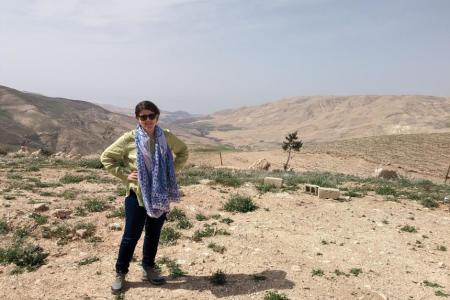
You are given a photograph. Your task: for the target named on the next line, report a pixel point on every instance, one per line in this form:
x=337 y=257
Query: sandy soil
x=285 y=239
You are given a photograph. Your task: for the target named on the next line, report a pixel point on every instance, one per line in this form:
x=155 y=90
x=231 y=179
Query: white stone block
x=329 y=193
x=277 y=182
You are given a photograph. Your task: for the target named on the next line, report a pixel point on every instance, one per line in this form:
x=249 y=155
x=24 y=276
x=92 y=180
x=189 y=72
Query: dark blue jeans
x=135 y=219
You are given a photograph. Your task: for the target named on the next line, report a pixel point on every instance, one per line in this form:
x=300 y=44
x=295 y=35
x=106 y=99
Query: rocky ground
x=294 y=243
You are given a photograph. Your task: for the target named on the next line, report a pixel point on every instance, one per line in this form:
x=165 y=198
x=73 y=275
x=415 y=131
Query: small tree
x=291 y=143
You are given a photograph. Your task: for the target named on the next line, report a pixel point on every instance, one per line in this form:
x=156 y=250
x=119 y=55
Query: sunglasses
x=151 y=116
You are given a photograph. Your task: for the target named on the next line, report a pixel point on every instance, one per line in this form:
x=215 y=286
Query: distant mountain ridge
x=57 y=124
x=328 y=118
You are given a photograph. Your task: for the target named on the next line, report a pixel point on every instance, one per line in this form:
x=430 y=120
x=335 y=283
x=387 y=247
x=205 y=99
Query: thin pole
x=446 y=176
x=221 y=163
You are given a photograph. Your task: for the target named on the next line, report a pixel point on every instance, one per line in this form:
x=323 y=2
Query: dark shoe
x=153 y=275
x=118 y=283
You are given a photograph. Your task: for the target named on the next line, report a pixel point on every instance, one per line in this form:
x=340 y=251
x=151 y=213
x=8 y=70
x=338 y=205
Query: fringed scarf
x=156 y=172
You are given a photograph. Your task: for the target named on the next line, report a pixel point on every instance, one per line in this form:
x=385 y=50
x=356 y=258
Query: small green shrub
x=174 y=268
x=201 y=217
x=274 y=295
x=385 y=190
x=29 y=257
x=169 y=236
x=227 y=221
x=121 y=190
x=355 y=271
x=265 y=188
x=68 y=194
x=240 y=203
x=218 y=278
x=95 y=205
x=430 y=203
x=317 y=272
x=432 y=284
x=21 y=233
x=89 y=227
x=4 y=228
x=178 y=215
x=441 y=248
x=70 y=178
x=408 y=228
x=90 y=163
x=208 y=231
x=440 y=293
x=39 y=219
x=117 y=213
x=88 y=260
x=217 y=248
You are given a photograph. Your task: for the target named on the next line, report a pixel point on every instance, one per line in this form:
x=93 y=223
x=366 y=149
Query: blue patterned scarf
x=156 y=172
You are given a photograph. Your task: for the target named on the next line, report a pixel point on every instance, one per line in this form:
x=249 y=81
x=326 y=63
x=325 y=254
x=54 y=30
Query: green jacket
x=119 y=159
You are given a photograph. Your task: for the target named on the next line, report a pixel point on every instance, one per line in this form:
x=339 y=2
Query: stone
x=385 y=173
x=329 y=193
x=115 y=226
x=261 y=164
x=277 y=182
x=40 y=207
x=81 y=233
x=312 y=189
x=62 y=213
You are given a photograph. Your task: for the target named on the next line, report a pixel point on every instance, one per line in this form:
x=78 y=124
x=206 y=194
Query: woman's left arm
x=179 y=148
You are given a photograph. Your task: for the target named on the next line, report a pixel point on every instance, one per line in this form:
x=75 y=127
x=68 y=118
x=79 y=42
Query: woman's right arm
x=113 y=158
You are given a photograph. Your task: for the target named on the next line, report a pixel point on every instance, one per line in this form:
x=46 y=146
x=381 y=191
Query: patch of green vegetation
x=265 y=188
x=80 y=211
x=227 y=221
x=61 y=231
x=208 y=231
x=218 y=278
x=4 y=227
x=217 y=248
x=14 y=176
x=95 y=205
x=23 y=256
x=385 y=190
x=88 y=260
x=240 y=203
x=274 y=295
x=228 y=178
x=216 y=216
x=429 y=202
x=117 y=213
x=121 y=190
x=441 y=248
x=71 y=178
x=22 y=233
x=340 y=273
x=201 y=217
x=317 y=272
x=90 y=163
x=32 y=168
x=355 y=271
x=174 y=268
x=39 y=219
x=47 y=194
x=409 y=228
x=440 y=293
x=89 y=227
x=431 y=284
x=169 y=236
x=179 y=216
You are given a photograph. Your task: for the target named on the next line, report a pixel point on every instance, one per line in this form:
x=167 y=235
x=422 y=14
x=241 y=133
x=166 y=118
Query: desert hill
x=327 y=118
x=57 y=124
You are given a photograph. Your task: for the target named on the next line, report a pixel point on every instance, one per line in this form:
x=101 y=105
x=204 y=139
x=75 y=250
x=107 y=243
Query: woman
x=142 y=159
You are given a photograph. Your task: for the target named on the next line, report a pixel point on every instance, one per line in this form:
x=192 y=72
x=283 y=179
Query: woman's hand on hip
x=133 y=176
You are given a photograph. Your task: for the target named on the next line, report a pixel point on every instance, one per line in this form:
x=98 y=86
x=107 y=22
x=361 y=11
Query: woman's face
x=148 y=120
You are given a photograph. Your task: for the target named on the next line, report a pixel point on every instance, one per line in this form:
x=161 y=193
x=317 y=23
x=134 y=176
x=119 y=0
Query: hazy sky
x=203 y=56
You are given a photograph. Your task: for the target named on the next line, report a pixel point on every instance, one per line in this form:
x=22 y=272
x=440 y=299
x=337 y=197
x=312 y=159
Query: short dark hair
x=146 y=105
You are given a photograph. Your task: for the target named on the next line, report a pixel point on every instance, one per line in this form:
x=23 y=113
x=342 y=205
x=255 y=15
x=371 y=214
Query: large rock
x=40 y=207
x=385 y=173
x=261 y=164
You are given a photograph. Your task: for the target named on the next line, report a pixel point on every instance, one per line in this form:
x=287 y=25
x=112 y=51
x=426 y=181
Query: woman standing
x=143 y=160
